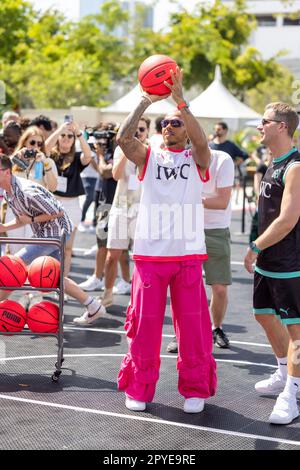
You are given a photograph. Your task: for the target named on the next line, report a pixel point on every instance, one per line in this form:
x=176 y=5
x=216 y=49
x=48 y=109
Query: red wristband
x=182 y=104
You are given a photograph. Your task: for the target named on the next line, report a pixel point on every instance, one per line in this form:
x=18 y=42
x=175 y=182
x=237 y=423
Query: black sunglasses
x=36 y=142
x=70 y=136
x=141 y=129
x=267 y=121
x=173 y=122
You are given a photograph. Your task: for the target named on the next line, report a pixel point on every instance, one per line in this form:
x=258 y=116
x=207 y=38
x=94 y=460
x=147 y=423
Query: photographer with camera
x=60 y=146
x=30 y=160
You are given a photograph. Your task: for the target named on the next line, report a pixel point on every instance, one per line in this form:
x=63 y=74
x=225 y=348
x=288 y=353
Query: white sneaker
x=122 y=287
x=82 y=227
x=193 y=405
x=285 y=410
x=135 y=405
x=271 y=386
x=92 y=283
x=87 y=318
x=91 y=251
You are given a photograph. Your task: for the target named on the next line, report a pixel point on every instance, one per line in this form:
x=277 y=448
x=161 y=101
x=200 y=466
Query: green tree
x=218 y=34
x=271 y=90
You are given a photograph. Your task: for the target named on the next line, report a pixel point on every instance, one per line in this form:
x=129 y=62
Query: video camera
x=104 y=137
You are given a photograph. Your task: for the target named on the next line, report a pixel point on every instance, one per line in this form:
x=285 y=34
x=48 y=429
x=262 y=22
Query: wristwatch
x=79 y=135
x=254 y=248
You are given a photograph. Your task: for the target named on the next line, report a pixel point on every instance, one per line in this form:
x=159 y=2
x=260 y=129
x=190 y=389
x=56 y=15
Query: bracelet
x=182 y=104
x=49 y=169
x=79 y=135
x=32 y=219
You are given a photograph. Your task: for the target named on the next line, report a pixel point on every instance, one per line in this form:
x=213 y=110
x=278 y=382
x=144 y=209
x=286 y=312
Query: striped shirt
x=32 y=199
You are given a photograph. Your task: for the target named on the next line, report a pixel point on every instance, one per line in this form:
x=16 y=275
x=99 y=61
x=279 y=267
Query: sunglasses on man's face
x=173 y=122
x=70 y=136
x=141 y=129
x=267 y=121
x=36 y=142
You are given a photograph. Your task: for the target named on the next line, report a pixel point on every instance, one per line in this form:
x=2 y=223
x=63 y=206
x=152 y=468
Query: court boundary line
x=164 y=356
x=152 y=420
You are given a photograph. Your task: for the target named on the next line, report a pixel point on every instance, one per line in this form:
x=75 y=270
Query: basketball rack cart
x=60 y=244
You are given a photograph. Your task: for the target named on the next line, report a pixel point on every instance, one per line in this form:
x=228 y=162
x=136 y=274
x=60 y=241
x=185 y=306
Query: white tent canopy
x=127 y=103
x=217 y=102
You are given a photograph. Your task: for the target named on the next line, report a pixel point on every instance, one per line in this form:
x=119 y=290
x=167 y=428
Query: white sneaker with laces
x=271 y=386
x=193 y=405
x=122 y=288
x=92 y=283
x=135 y=405
x=285 y=410
x=87 y=318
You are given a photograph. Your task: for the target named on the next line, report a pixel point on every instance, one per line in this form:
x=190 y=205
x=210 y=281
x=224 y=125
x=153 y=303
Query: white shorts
x=121 y=229
x=72 y=208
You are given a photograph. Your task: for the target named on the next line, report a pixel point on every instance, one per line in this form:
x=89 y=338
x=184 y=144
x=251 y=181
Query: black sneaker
x=220 y=338
x=173 y=346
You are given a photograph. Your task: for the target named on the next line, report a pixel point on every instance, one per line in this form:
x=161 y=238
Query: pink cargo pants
x=144 y=321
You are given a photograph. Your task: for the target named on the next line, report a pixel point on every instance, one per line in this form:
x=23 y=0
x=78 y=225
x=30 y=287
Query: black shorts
x=279 y=297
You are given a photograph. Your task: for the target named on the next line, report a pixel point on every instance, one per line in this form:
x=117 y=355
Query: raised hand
x=176 y=86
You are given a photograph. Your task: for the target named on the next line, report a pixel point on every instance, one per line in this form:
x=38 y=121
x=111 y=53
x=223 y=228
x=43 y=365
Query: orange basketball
x=13 y=271
x=44 y=271
x=43 y=317
x=154 y=71
x=12 y=316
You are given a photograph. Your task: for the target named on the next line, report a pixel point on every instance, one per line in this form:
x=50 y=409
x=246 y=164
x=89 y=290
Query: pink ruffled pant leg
x=144 y=320
x=196 y=365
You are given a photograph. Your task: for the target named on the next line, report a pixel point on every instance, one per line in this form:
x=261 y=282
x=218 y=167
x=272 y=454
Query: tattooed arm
x=200 y=149
x=133 y=149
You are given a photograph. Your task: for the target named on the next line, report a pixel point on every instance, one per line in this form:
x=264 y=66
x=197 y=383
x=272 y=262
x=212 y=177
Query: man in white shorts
x=122 y=216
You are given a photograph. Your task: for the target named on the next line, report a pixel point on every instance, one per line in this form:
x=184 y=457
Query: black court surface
x=85 y=411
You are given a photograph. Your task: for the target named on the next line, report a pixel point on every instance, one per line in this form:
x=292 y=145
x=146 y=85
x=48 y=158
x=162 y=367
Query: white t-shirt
x=170 y=219
x=221 y=172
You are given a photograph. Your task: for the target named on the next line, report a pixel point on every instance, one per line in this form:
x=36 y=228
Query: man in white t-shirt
x=169 y=249
x=217 y=218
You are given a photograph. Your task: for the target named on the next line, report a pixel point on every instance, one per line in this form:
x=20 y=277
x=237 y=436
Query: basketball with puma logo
x=13 y=271
x=43 y=317
x=12 y=316
x=44 y=271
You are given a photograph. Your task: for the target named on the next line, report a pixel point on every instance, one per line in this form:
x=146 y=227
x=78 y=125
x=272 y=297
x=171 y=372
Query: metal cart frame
x=60 y=244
